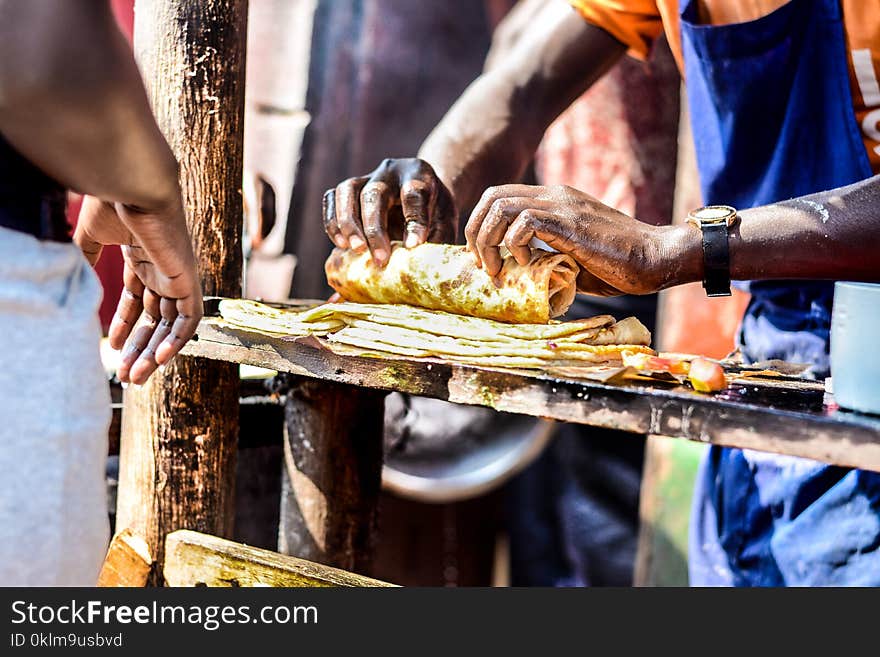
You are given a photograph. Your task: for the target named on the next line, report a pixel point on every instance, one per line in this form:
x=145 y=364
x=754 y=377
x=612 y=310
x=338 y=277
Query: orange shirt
x=637 y=23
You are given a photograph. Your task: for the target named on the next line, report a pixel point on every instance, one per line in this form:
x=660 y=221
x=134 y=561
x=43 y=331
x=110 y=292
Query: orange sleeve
x=635 y=23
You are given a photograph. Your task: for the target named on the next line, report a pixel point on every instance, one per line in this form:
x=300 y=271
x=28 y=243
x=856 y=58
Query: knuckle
x=373 y=192
x=373 y=231
x=500 y=207
x=491 y=193
x=414 y=188
x=562 y=191
x=424 y=168
x=347 y=225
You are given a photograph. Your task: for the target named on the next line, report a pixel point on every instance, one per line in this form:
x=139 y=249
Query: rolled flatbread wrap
x=445 y=277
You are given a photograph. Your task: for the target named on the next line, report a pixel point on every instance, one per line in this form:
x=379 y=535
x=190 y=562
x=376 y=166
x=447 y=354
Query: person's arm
x=832 y=235
x=492 y=132
x=489 y=136
x=72 y=102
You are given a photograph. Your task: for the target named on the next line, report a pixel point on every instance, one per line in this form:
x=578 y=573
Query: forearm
x=72 y=101
x=491 y=134
x=832 y=235
x=480 y=142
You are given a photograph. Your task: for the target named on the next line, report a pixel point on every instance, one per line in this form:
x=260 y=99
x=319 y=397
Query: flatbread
x=407 y=342
x=443 y=323
x=258 y=316
x=415 y=332
x=446 y=277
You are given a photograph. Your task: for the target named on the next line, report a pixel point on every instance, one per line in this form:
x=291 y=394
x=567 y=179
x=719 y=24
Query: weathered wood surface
x=332 y=473
x=180 y=431
x=193 y=559
x=792 y=420
x=128 y=562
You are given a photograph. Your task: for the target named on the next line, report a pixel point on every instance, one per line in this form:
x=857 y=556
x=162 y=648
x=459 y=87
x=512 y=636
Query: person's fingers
x=416 y=201
x=484 y=205
x=348 y=213
x=377 y=197
x=492 y=230
x=501 y=215
x=168 y=309
x=146 y=362
x=127 y=310
x=189 y=313
x=91 y=248
x=475 y=222
x=545 y=226
x=140 y=338
x=331 y=227
x=135 y=346
x=520 y=233
x=169 y=336
x=152 y=305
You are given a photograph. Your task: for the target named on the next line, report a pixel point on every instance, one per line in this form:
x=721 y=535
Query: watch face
x=714 y=214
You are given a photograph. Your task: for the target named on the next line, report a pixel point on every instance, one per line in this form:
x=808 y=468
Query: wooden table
x=334 y=410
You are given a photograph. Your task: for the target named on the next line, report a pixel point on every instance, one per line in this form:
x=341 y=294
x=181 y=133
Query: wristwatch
x=715 y=222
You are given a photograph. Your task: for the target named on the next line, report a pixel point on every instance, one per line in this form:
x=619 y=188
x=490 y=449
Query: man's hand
x=616 y=253
x=401 y=199
x=160 y=280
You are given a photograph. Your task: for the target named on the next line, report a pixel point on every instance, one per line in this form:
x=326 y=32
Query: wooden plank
x=128 y=562
x=793 y=422
x=180 y=431
x=332 y=473
x=193 y=559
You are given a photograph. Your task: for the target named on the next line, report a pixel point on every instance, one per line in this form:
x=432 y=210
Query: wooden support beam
x=179 y=432
x=332 y=473
x=193 y=559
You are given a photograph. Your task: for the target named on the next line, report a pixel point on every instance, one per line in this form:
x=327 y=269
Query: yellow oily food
x=446 y=277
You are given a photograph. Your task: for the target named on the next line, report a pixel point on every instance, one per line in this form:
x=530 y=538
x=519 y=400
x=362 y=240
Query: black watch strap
x=716 y=259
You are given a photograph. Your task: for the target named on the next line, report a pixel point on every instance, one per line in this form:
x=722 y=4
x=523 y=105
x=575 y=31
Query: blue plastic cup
x=855 y=349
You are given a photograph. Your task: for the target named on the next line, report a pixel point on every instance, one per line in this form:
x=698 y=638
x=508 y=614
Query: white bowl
x=855 y=351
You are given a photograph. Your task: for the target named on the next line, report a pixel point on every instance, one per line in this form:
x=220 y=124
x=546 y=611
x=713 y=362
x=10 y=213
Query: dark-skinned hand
x=403 y=199
x=616 y=253
x=161 y=282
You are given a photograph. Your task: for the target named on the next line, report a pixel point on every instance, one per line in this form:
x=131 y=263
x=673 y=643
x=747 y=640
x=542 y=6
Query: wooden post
x=180 y=431
x=332 y=473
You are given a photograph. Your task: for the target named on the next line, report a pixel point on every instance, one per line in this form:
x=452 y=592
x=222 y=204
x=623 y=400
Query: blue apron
x=772 y=116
